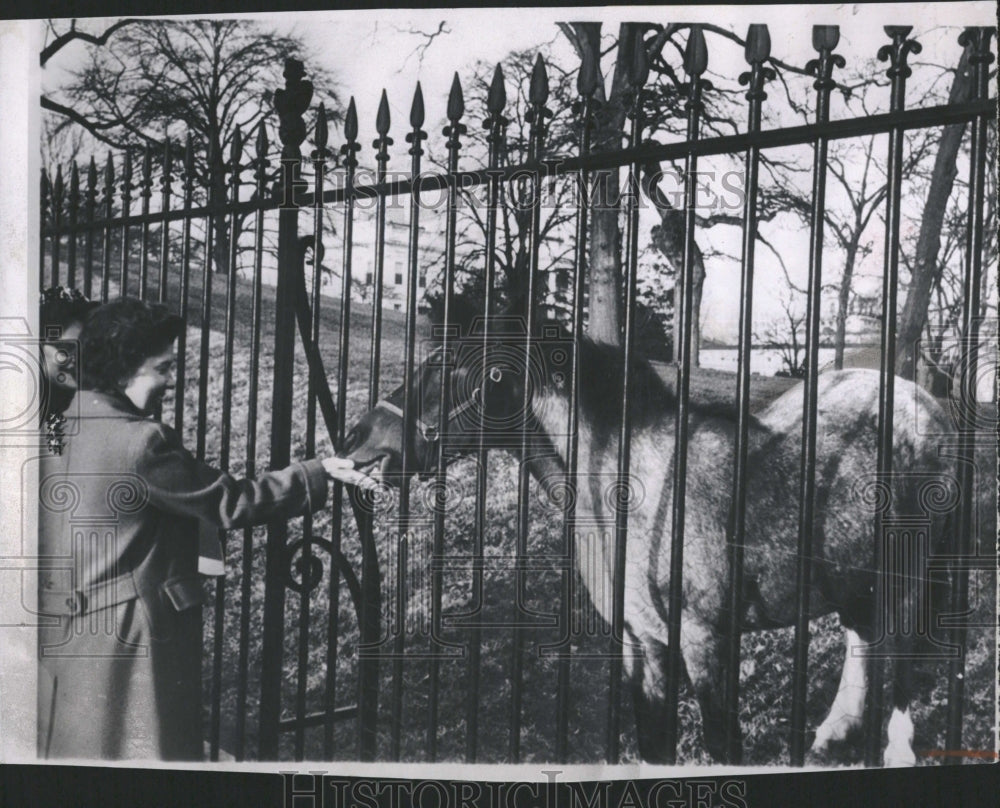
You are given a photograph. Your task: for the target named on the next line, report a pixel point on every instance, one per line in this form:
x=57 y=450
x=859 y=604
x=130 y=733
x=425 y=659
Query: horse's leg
x=899 y=750
x=704 y=652
x=847 y=710
x=648 y=696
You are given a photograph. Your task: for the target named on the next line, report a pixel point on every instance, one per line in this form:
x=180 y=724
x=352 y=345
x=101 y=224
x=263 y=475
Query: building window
x=422 y=280
x=399 y=279
x=368 y=278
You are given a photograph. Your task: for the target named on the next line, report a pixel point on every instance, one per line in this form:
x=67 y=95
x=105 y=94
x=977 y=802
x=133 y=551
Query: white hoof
x=899 y=751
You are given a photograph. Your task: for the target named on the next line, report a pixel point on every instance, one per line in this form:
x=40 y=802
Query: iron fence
x=86 y=226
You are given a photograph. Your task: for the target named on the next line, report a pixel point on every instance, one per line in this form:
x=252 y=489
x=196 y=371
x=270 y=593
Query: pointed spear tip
x=696 y=52
x=261 y=140
x=640 y=64
x=538 y=92
x=456 y=102
x=496 y=99
x=350 y=121
x=758 y=47
x=382 y=118
x=417 y=108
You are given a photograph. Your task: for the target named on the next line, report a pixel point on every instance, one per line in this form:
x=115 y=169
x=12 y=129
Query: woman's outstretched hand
x=342 y=469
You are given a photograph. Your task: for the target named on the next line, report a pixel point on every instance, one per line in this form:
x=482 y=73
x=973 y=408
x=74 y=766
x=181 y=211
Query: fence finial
x=291 y=102
x=146 y=183
x=695 y=52
x=456 y=103
x=897 y=52
x=92 y=177
x=350 y=121
x=236 y=149
x=262 y=142
x=758 y=47
x=189 y=163
x=57 y=188
x=586 y=80
x=639 y=69
x=417 y=108
x=74 y=186
x=322 y=134
x=538 y=91
x=757 y=51
x=496 y=99
x=168 y=163
x=382 y=118
x=109 y=175
x=825 y=39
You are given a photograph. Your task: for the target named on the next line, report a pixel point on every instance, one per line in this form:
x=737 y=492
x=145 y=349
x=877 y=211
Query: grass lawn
x=766 y=667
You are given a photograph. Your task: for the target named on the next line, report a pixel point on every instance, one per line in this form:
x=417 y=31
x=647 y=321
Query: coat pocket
x=184 y=591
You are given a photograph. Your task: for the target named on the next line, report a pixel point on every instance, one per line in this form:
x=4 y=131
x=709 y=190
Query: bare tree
x=156 y=79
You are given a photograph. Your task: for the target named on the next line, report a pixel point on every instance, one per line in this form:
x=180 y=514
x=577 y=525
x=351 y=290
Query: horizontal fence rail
x=335 y=671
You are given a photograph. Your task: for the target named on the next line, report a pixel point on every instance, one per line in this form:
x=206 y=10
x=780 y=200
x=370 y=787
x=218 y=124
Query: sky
x=371 y=50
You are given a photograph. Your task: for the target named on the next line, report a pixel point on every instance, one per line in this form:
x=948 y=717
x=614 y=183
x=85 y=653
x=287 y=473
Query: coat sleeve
x=178 y=483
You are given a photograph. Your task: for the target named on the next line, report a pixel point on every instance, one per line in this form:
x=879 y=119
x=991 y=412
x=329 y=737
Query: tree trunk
x=668 y=238
x=843 y=299
x=926 y=271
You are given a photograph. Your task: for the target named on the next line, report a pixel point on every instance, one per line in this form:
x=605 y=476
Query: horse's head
x=486 y=397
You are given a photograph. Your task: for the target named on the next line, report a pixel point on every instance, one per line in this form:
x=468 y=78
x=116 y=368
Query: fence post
x=290 y=103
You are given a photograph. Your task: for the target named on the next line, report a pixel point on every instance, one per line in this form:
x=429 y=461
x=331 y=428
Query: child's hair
x=120 y=336
x=60 y=306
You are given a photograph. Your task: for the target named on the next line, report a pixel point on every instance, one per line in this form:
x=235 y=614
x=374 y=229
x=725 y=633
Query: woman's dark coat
x=120 y=654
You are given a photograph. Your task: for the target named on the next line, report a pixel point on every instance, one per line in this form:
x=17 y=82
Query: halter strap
x=429 y=432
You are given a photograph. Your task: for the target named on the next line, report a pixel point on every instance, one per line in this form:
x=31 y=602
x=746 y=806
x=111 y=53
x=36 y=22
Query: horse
x=849 y=493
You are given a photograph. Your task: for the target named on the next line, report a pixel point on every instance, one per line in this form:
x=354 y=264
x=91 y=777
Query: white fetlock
x=899 y=751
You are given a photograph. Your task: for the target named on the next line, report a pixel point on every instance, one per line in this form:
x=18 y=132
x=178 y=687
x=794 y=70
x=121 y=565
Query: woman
x=119 y=523
x=62 y=313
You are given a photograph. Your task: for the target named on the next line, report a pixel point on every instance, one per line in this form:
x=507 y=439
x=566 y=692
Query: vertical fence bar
x=291 y=102
x=44 y=210
x=896 y=54
x=145 y=192
x=368 y=654
x=260 y=176
x=825 y=39
x=57 y=217
x=349 y=149
x=109 y=212
x=90 y=207
x=538 y=94
x=638 y=73
x=74 y=210
x=756 y=52
x=695 y=62
x=126 y=192
x=978 y=39
x=185 y=281
x=225 y=438
x=206 y=310
x=496 y=124
x=586 y=87
x=454 y=131
x=414 y=138
x=165 y=181
x=318 y=157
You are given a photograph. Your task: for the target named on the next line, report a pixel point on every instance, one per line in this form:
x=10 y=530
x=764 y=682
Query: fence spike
x=825 y=37
x=262 y=142
x=456 y=102
x=109 y=173
x=538 y=92
x=350 y=122
x=496 y=99
x=236 y=149
x=57 y=186
x=45 y=185
x=696 y=52
x=382 y=119
x=189 y=162
x=897 y=52
x=639 y=69
x=92 y=177
x=127 y=173
x=417 y=108
x=147 y=171
x=758 y=47
x=586 y=80
x=168 y=162
x=74 y=185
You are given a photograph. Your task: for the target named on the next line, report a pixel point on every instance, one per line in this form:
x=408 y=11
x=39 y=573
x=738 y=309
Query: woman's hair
x=59 y=307
x=120 y=336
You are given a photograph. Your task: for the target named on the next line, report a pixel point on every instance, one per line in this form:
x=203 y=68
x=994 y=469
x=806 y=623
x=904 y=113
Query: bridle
x=428 y=431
